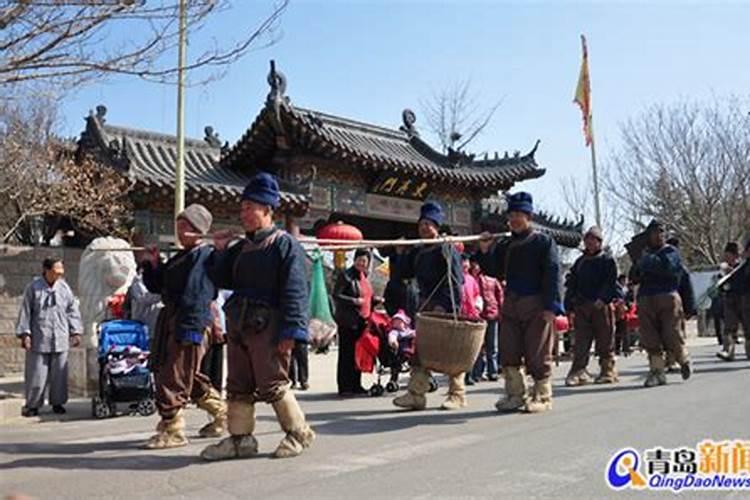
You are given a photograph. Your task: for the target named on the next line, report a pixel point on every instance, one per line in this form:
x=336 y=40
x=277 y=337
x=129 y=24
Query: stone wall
x=18 y=265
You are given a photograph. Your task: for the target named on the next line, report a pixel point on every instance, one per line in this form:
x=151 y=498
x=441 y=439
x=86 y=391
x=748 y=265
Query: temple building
x=330 y=168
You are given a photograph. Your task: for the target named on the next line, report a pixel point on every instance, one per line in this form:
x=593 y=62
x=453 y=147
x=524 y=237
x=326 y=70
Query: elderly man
x=658 y=272
x=530 y=266
x=266 y=314
x=438 y=291
x=48 y=323
x=590 y=289
x=184 y=324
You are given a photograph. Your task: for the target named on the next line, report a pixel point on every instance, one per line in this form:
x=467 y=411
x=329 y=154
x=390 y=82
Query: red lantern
x=339 y=231
x=342 y=232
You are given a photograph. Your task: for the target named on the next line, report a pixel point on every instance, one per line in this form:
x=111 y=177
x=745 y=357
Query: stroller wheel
x=100 y=409
x=146 y=407
x=391 y=387
x=376 y=390
x=433 y=384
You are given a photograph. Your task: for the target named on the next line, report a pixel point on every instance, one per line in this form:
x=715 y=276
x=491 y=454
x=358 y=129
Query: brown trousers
x=178 y=377
x=525 y=337
x=257 y=371
x=592 y=324
x=661 y=325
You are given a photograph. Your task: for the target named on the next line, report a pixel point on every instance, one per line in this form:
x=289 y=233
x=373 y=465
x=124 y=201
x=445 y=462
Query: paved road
x=367 y=449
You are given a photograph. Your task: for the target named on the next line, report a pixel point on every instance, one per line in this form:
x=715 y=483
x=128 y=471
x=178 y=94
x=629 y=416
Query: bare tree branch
x=456 y=115
x=67 y=42
x=687 y=164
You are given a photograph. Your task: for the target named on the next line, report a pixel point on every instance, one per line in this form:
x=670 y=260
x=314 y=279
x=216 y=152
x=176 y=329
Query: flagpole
x=597 y=207
x=179 y=181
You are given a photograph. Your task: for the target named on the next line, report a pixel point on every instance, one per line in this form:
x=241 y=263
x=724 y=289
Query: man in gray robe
x=48 y=324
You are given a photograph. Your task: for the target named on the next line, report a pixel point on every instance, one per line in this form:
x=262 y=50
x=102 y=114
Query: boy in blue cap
x=529 y=264
x=427 y=263
x=265 y=315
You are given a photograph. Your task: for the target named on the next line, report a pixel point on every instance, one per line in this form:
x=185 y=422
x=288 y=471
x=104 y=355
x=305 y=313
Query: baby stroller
x=388 y=361
x=123 y=373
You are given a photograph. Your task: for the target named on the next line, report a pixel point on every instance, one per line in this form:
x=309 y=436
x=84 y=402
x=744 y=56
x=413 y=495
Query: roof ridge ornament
x=409 y=118
x=275 y=100
x=211 y=137
x=101 y=112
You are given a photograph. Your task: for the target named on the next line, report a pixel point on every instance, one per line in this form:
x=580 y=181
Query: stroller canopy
x=122 y=333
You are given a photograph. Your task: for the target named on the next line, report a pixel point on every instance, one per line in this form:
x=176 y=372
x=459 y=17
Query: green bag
x=320 y=307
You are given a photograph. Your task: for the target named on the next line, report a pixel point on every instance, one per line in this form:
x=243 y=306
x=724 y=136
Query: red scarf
x=365 y=293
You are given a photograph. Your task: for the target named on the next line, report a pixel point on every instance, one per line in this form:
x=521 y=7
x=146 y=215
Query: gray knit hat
x=199 y=216
x=596 y=232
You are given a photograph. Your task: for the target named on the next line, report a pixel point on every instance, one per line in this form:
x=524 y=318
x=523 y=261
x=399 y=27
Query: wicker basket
x=446 y=345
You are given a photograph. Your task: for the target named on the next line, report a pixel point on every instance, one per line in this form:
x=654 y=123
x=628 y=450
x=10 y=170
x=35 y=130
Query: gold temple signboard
x=388 y=207
x=402 y=186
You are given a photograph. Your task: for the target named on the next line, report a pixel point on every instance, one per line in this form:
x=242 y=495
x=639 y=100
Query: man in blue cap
x=438 y=291
x=658 y=273
x=591 y=287
x=265 y=315
x=529 y=264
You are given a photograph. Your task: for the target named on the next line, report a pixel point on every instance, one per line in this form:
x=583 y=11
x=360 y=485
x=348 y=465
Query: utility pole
x=179 y=181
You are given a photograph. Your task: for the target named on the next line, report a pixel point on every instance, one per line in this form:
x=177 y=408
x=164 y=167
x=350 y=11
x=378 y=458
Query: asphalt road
x=368 y=449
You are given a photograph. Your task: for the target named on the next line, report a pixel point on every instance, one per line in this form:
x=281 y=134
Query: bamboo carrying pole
x=342 y=245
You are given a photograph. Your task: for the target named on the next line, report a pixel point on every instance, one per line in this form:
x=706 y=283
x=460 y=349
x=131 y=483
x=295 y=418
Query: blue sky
x=369 y=60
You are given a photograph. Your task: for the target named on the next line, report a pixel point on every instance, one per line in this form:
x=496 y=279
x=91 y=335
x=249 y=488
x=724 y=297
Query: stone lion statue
x=101 y=275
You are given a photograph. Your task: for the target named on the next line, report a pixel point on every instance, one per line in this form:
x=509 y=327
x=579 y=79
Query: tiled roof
x=566 y=233
x=149 y=158
x=372 y=147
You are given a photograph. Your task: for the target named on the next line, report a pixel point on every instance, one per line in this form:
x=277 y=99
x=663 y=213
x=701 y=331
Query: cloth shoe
x=608 y=372
x=541 y=397
x=243 y=446
x=456 y=393
x=170 y=434
x=299 y=435
x=580 y=377
x=419 y=384
x=214 y=405
x=515 y=390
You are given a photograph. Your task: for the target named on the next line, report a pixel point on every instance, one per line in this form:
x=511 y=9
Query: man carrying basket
x=438 y=292
x=529 y=264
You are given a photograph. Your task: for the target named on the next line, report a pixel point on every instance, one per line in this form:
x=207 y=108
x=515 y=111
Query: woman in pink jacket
x=491 y=294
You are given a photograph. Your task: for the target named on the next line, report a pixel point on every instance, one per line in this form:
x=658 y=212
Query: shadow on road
x=132 y=462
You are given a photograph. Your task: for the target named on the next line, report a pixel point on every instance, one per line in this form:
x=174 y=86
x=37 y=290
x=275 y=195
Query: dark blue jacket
x=194 y=303
x=658 y=271
x=592 y=278
x=273 y=275
x=428 y=265
x=687 y=293
x=530 y=265
x=738 y=283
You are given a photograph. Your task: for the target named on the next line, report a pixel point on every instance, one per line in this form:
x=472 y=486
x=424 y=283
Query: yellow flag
x=583 y=94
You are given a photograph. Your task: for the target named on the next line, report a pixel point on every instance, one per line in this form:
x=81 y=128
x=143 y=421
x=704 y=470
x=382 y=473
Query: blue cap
x=433 y=212
x=263 y=189
x=521 y=202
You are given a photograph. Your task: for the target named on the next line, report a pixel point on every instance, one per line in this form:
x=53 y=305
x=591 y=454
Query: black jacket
x=345 y=292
